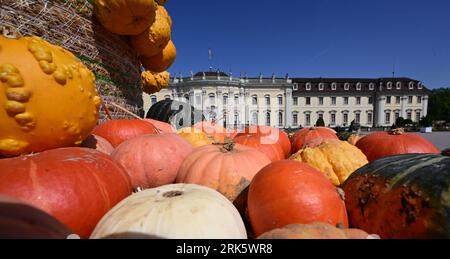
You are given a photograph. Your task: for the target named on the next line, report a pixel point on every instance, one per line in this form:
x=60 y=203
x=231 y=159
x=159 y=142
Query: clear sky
x=315 y=38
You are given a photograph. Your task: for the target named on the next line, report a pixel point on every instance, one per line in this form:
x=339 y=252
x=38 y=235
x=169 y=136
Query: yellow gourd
x=196 y=137
x=161 y=61
x=337 y=160
x=154 y=82
x=48 y=97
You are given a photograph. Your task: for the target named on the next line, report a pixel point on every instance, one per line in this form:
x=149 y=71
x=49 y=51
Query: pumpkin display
x=396 y=142
x=311 y=137
x=119 y=131
x=228 y=168
x=353 y=139
x=273 y=151
x=161 y=61
x=154 y=82
x=22 y=221
x=178 y=114
x=270 y=135
x=337 y=160
x=404 y=196
x=214 y=130
x=163 y=127
x=48 y=99
x=315 y=231
x=155 y=38
x=125 y=17
x=180 y=211
x=152 y=160
x=290 y=192
x=98 y=143
x=196 y=137
x=77 y=186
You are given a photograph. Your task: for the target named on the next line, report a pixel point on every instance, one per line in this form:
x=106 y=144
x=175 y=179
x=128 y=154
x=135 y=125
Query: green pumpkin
x=175 y=113
x=405 y=196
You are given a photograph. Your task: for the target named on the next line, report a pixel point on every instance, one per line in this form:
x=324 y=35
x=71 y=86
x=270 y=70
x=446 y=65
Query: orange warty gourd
x=161 y=61
x=163 y=127
x=152 y=160
x=337 y=160
x=77 y=186
x=49 y=98
x=156 y=37
x=315 y=231
x=396 y=142
x=273 y=151
x=119 y=131
x=270 y=135
x=227 y=168
x=291 y=192
x=125 y=17
x=98 y=143
x=311 y=137
x=154 y=82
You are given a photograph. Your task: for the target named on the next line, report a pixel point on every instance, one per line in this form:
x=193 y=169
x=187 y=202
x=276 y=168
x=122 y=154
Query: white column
x=288 y=110
x=381 y=104
x=404 y=105
x=425 y=106
x=219 y=108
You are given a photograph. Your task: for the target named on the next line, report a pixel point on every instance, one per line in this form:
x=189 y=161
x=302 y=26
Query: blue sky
x=315 y=38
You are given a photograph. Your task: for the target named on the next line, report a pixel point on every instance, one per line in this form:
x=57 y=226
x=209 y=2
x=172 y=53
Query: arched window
x=411 y=85
x=255 y=100
x=358 y=87
x=371 y=86
x=389 y=85
x=399 y=85
x=419 y=86
x=308 y=86
x=347 y=86
x=267 y=97
x=268 y=121
x=321 y=86
x=333 y=86
x=212 y=99
x=280 y=99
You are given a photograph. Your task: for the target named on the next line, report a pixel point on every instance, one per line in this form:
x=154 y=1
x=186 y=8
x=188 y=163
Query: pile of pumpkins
x=149 y=28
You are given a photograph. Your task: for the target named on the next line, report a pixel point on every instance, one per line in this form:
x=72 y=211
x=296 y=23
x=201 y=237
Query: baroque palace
x=298 y=102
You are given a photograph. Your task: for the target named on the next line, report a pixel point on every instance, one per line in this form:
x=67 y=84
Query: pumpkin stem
x=399 y=131
x=227 y=146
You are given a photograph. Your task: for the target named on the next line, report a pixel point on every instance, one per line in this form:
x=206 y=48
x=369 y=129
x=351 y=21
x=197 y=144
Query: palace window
x=280 y=119
x=389 y=85
x=410 y=99
x=358 y=117
x=399 y=85
x=398 y=99
x=308 y=120
x=347 y=86
x=396 y=115
x=371 y=86
x=333 y=86
x=418 y=116
x=295 y=87
x=267 y=97
x=255 y=100
x=280 y=100
x=388 y=118
x=212 y=99
x=388 y=99
x=308 y=86
x=154 y=100
x=345 y=118
x=295 y=119
x=236 y=118
x=225 y=119
x=346 y=100
x=321 y=86
x=411 y=85
x=409 y=115
x=225 y=100
x=333 y=100
x=320 y=100
x=296 y=101
x=370 y=100
x=369 y=118
x=308 y=100
x=358 y=100
x=268 y=123
x=333 y=119
x=236 y=99
x=419 y=86
x=419 y=99
x=358 y=87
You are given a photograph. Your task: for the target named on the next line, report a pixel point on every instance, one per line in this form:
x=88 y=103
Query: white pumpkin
x=179 y=211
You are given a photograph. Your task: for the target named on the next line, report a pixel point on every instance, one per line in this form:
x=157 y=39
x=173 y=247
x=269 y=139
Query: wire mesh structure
x=71 y=24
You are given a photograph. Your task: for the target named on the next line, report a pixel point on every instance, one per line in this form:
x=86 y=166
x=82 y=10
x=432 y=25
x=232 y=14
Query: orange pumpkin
x=228 y=168
x=119 y=131
x=353 y=139
x=162 y=60
x=156 y=37
x=214 y=130
x=315 y=231
x=273 y=151
x=48 y=97
x=152 y=160
x=163 y=127
x=270 y=135
x=311 y=137
x=290 y=192
x=98 y=143
x=125 y=17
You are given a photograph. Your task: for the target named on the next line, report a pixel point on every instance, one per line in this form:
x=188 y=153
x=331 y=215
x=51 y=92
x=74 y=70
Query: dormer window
x=333 y=86
x=389 y=85
x=358 y=86
x=295 y=87
x=411 y=85
x=371 y=86
x=347 y=86
x=399 y=85
x=321 y=86
x=308 y=86
x=419 y=86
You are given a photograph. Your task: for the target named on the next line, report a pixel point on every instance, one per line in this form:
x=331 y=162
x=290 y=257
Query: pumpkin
x=125 y=17
x=196 y=137
x=311 y=137
x=162 y=60
x=315 y=231
x=77 y=186
x=154 y=82
x=396 y=142
x=48 y=99
x=403 y=196
x=290 y=192
x=163 y=127
x=337 y=160
x=178 y=114
x=270 y=135
x=353 y=139
x=21 y=221
x=214 y=130
x=228 y=168
x=154 y=38
x=98 y=143
x=152 y=160
x=273 y=151
x=119 y=131
x=181 y=211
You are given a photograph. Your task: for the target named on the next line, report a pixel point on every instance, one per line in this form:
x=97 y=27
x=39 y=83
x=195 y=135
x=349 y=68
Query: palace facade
x=298 y=102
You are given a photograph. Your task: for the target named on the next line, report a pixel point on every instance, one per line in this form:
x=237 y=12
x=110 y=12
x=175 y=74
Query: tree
x=320 y=123
x=408 y=122
x=439 y=105
x=426 y=122
x=400 y=122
